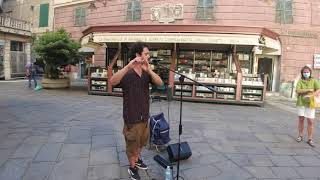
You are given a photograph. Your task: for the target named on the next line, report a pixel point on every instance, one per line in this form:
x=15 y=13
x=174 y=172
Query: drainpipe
x=292 y=89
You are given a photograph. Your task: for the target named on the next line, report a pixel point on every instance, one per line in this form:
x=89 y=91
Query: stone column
x=28 y=51
x=7 y=65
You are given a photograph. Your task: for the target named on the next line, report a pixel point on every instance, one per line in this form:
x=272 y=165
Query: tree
x=57 y=50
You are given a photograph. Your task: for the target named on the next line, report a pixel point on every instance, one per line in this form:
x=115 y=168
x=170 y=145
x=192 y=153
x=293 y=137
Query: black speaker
x=185 y=151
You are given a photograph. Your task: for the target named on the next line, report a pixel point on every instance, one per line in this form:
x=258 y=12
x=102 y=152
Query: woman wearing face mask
x=306 y=87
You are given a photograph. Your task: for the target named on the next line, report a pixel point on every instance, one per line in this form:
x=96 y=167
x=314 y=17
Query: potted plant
x=57 y=50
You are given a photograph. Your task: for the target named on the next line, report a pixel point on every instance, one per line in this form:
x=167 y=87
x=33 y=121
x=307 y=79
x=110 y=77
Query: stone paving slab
x=308 y=160
x=285 y=161
x=36 y=140
x=103 y=156
x=104 y=172
x=38 y=171
x=74 y=151
x=69 y=135
x=261 y=172
x=79 y=136
x=14 y=169
x=27 y=151
x=285 y=172
x=5 y=155
x=10 y=143
x=70 y=169
x=230 y=170
x=49 y=152
x=308 y=172
x=202 y=172
x=57 y=137
x=101 y=141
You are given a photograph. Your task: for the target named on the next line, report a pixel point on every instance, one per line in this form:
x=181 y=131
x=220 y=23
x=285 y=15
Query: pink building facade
x=291 y=29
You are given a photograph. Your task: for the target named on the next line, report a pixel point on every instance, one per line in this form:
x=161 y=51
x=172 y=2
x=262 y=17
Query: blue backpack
x=159 y=130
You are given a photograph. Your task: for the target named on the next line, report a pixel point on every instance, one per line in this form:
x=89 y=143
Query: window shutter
x=205 y=9
x=200 y=9
x=201 y=3
x=44 y=15
x=284 y=12
x=209 y=12
x=80 y=16
x=137 y=11
x=288 y=5
x=278 y=11
x=129 y=11
x=288 y=12
x=134 y=10
x=209 y=3
x=83 y=17
x=77 y=14
x=200 y=13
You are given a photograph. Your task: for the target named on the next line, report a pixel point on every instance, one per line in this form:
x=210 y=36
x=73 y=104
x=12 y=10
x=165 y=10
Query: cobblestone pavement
x=69 y=135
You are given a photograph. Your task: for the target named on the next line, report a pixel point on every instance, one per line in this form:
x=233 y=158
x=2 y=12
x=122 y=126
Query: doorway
x=265 y=66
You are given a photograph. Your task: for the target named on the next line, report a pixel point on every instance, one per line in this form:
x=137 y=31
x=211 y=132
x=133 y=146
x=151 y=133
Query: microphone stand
x=181 y=80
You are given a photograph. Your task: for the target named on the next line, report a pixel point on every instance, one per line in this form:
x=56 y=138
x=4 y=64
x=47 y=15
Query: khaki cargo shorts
x=136 y=136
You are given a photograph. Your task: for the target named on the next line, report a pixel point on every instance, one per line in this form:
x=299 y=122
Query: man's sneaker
x=141 y=165
x=133 y=172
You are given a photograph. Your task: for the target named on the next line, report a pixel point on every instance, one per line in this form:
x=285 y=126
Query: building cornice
x=71 y=3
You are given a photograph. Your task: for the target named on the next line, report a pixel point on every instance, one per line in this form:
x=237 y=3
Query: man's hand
x=154 y=77
x=134 y=62
x=146 y=66
x=116 y=78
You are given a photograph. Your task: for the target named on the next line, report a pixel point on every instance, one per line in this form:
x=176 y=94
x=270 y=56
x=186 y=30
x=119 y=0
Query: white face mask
x=306 y=74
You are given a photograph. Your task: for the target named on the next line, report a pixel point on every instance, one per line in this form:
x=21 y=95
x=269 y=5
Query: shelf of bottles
x=165 y=56
x=98 y=81
x=117 y=67
x=209 y=68
x=252 y=87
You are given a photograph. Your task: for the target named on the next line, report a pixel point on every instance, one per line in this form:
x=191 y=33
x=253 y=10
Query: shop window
x=16 y=46
x=205 y=9
x=80 y=16
x=134 y=10
x=245 y=60
x=284 y=12
x=44 y=15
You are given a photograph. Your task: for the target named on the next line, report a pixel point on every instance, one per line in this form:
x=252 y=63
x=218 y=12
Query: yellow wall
x=22 y=9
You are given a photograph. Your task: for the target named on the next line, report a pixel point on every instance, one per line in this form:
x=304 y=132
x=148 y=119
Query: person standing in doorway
x=306 y=88
x=31 y=73
x=135 y=79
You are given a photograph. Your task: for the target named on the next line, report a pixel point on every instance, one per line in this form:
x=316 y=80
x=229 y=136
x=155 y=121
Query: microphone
x=155 y=60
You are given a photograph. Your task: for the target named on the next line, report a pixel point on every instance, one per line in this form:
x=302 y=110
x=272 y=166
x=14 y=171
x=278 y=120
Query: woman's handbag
x=315 y=102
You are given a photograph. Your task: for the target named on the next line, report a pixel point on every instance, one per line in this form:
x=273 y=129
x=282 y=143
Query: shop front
x=235 y=64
